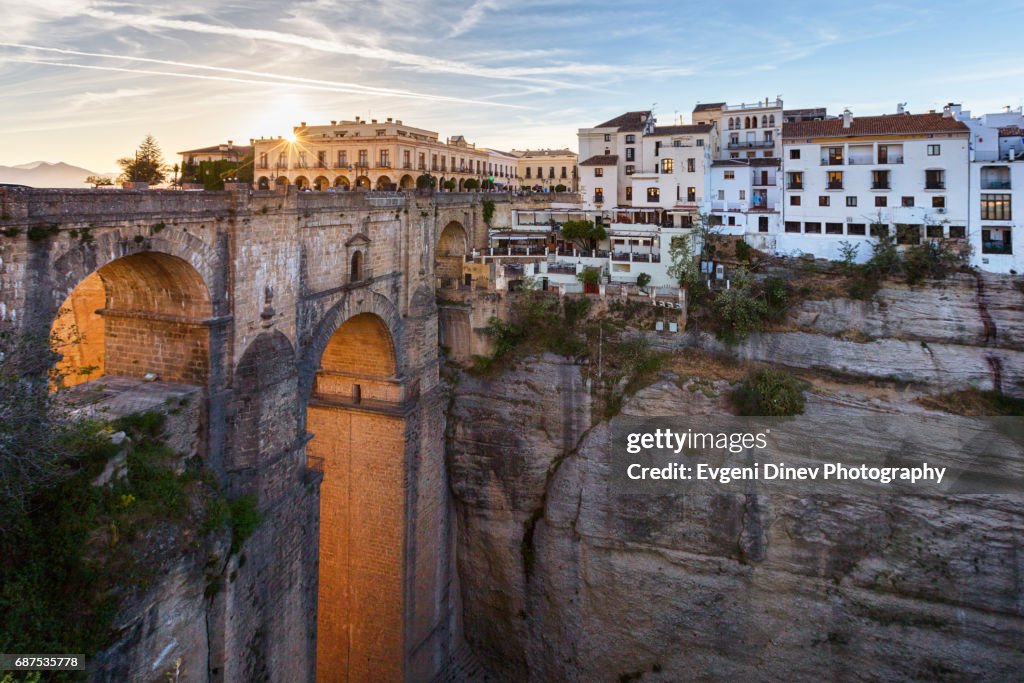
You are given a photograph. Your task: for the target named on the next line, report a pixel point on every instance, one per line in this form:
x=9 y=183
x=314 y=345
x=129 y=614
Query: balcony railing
x=795 y=186
x=384 y=164
x=935 y=185
x=995 y=184
x=835 y=186
x=755 y=144
x=996 y=248
x=362 y=164
x=880 y=186
x=831 y=162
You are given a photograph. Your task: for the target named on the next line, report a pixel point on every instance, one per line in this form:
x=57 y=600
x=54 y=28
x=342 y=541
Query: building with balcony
x=546 y=169
x=849 y=178
x=996 y=189
x=745 y=194
x=361 y=154
x=631 y=162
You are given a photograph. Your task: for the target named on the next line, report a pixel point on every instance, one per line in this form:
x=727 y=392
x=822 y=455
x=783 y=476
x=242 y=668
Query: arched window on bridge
x=356 y=271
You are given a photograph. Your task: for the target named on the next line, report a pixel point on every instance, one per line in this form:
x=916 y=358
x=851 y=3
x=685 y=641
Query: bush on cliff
x=769 y=392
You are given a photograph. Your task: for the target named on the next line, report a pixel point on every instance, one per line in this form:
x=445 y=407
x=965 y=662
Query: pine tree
x=146 y=166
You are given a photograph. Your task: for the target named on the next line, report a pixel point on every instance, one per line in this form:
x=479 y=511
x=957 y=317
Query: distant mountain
x=45 y=174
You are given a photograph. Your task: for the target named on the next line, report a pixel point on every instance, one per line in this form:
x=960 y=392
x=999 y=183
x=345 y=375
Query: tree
x=684 y=268
x=146 y=165
x=471 y=184
x=586 y=234
x=739 y=309
x=560 y=188
x=642 y=280
x=450 y=184
x=99 y=181
x=426 y=182
x=589 y=275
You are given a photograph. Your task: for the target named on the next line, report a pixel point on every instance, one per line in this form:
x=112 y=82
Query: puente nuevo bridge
x=308 y=325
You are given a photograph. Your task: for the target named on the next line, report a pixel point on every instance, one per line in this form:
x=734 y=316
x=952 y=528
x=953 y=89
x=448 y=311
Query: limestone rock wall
x=563 y=579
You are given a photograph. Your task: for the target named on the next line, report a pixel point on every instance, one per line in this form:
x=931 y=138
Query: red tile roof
x=888 y=124
x=1011 y=132
x=683 y=130
x=601 y=160
x=630 y=121
x=709 y=106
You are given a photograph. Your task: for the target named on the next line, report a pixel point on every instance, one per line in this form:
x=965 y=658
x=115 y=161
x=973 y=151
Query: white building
x=850 y=177
x=996 y=180
x=630 y=162
x=746 y=196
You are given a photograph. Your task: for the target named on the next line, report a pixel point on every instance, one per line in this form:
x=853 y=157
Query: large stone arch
x=451 y=250
x=263 y=416
x=142 y=315
x=356 y=418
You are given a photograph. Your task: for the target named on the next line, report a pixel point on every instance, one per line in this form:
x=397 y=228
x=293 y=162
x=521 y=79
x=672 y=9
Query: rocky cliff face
x=563 y=578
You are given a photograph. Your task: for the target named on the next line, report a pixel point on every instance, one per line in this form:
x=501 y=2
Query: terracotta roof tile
x=601 y=160
x=1011 y=132
x=631 y=120
x=889 y=124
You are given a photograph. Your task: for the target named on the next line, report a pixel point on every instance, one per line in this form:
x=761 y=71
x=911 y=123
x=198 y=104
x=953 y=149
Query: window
x=907 y=202
x=835 y=156
x=691 y=194
x=631 y=154
x=666 y=165
x=385 y=158
x=762 y=223
x=957 y=232
x=630 y=169
x=629 y=193
x=630 y=139
x=792 y=226
x=855 y=229
x=835 y=180
x=564 y=174
x=691 y=165
x=851 y=201
x=551 y=172
x=939 y=202
x=729 y=175
x=607 y=137
x=263 y=159
x=734 y=155
x=833 y=228
x=406 y=159
x=732 y=220
x=721 y=194
x=743 y=195
x=933 y=231
x=364 y=158
x=700 y=142
x=794 y=200
x=879 y=180
x=933 y=150
x=657 y=147
x=879 y=230
x=302 y=160
x=813 y=228
x=598 y=173
x=528 y=172
x=342 y=159
x=881 y=201
x=908 y=234
x=321 y=159
x=734 y=139
x=653 y=195
x=996 y=207
x=935 y=180
x=795 y=180
x=794 y=154
x=598 y=195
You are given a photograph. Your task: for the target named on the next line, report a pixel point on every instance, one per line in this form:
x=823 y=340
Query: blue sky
x=84 y=81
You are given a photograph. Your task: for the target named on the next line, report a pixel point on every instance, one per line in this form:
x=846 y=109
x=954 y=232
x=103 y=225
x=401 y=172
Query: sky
x=83 y=82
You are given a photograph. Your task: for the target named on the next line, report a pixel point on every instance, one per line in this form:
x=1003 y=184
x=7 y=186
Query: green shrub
x=776 y=297
x=589 y=275
x=769 y=392
x=930 y=260
x=245 y=517
x=642 y=280
x=744 y=252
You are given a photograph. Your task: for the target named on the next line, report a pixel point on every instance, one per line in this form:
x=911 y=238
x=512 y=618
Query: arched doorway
x=384 y=183
x=302 y=182
x=362 y=183
x=407 y=182
x=321 y=184
x=144 y=314
x=263 y=183
x=451 y=254
x=342 y=183
x=355 y=418
x=281 y=182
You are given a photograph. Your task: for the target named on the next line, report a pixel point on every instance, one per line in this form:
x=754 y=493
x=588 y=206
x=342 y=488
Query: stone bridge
x=308 y=324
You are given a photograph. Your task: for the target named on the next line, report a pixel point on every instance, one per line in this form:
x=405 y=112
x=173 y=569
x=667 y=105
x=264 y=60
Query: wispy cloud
x=472 y=16
x=89 y=98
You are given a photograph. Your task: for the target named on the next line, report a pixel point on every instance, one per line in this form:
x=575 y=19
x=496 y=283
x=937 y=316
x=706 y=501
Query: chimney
x=357 y=119
x=302 y=124
x=230 y=142
x=373 y=121
x=389 y=119
x=399 y=121
x=901 y=107
x=334 y=123
x=847 y=118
